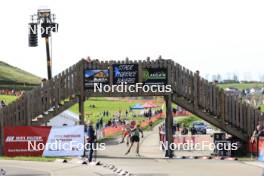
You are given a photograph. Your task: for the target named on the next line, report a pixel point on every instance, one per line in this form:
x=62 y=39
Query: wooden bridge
x=189 y=91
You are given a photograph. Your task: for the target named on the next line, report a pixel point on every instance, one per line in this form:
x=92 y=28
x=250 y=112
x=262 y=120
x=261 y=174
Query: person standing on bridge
x=135 y=137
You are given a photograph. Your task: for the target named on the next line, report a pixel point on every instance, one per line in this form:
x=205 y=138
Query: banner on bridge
x=125 y=73
x=95 y=76
x=155 y=76
x=44 y=141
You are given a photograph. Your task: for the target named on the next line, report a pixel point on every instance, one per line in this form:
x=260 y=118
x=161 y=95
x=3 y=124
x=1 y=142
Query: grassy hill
x=242 y=86
x=113 y=106
x=15 y=78
x=8 y=98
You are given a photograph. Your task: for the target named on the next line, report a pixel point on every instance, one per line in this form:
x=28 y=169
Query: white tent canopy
x=66 y=118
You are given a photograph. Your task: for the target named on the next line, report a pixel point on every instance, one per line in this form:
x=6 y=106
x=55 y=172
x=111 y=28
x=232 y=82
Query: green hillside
x=242 y=86
x=11 y=76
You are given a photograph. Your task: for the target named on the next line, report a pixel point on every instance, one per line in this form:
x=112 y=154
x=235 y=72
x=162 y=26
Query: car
x=199 y=127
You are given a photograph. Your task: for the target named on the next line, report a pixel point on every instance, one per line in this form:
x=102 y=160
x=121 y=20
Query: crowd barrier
x=152 y=119
x=179 y=139
x=256 y=147
x=110 y=131
x=181 y=113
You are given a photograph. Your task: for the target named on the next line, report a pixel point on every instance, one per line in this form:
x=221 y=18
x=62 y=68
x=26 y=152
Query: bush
x=188 y=120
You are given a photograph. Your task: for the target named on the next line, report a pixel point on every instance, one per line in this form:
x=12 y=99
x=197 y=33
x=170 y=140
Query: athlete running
x=135 y=137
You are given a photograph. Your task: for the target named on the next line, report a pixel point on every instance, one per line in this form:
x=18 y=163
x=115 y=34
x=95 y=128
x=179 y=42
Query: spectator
x=97 y=125
x=193 y=133
x=90 y=140
x=2 y=104
x=101 y=122
x=193 y=130
x=178 y=125
x=184 y=131
x=151 y=125
x=174 y=128
x=259 y=131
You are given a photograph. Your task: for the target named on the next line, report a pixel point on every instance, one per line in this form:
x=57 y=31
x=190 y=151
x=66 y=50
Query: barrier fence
x=110 y=131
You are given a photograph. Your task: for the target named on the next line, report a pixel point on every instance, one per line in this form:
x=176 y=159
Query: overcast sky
x=212 y=36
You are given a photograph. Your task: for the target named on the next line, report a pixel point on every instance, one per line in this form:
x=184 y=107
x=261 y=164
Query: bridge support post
x=81 y=109
x=168 y=126
x=82 y=94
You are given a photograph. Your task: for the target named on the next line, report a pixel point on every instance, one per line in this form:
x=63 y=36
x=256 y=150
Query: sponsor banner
x=65 y=141
x=155 y=76
x=125 y=73
x=44 y=141
x=95 y=76
x=16 y=140
x=261 y=149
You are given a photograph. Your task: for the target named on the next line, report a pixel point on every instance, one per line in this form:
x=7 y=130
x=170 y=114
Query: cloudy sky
x=212 y=36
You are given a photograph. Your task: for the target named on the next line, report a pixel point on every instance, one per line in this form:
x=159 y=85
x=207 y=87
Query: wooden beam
x=168 y=126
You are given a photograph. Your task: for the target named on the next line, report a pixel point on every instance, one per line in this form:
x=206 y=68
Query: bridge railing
x=208 y=97
x=41 y=99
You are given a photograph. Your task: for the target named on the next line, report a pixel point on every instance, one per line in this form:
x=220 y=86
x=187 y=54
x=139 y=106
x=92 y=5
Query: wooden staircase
x=54 y=111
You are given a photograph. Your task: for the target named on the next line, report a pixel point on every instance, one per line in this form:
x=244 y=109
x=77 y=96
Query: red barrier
x=109 y=131
x=152 y=119
x=181 y=113
x=195 y=139
x=183 y=139
x=252 y=148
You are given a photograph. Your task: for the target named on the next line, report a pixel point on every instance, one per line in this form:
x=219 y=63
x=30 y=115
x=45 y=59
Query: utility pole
x=49 y=63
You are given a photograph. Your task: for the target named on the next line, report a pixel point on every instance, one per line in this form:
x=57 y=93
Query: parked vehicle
x=209 y=130
x=199 y=127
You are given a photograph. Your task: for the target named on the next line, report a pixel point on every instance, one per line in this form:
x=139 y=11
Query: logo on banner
x=92 y=77
x=125 y=73
x=154 y=76
x=44 y=141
